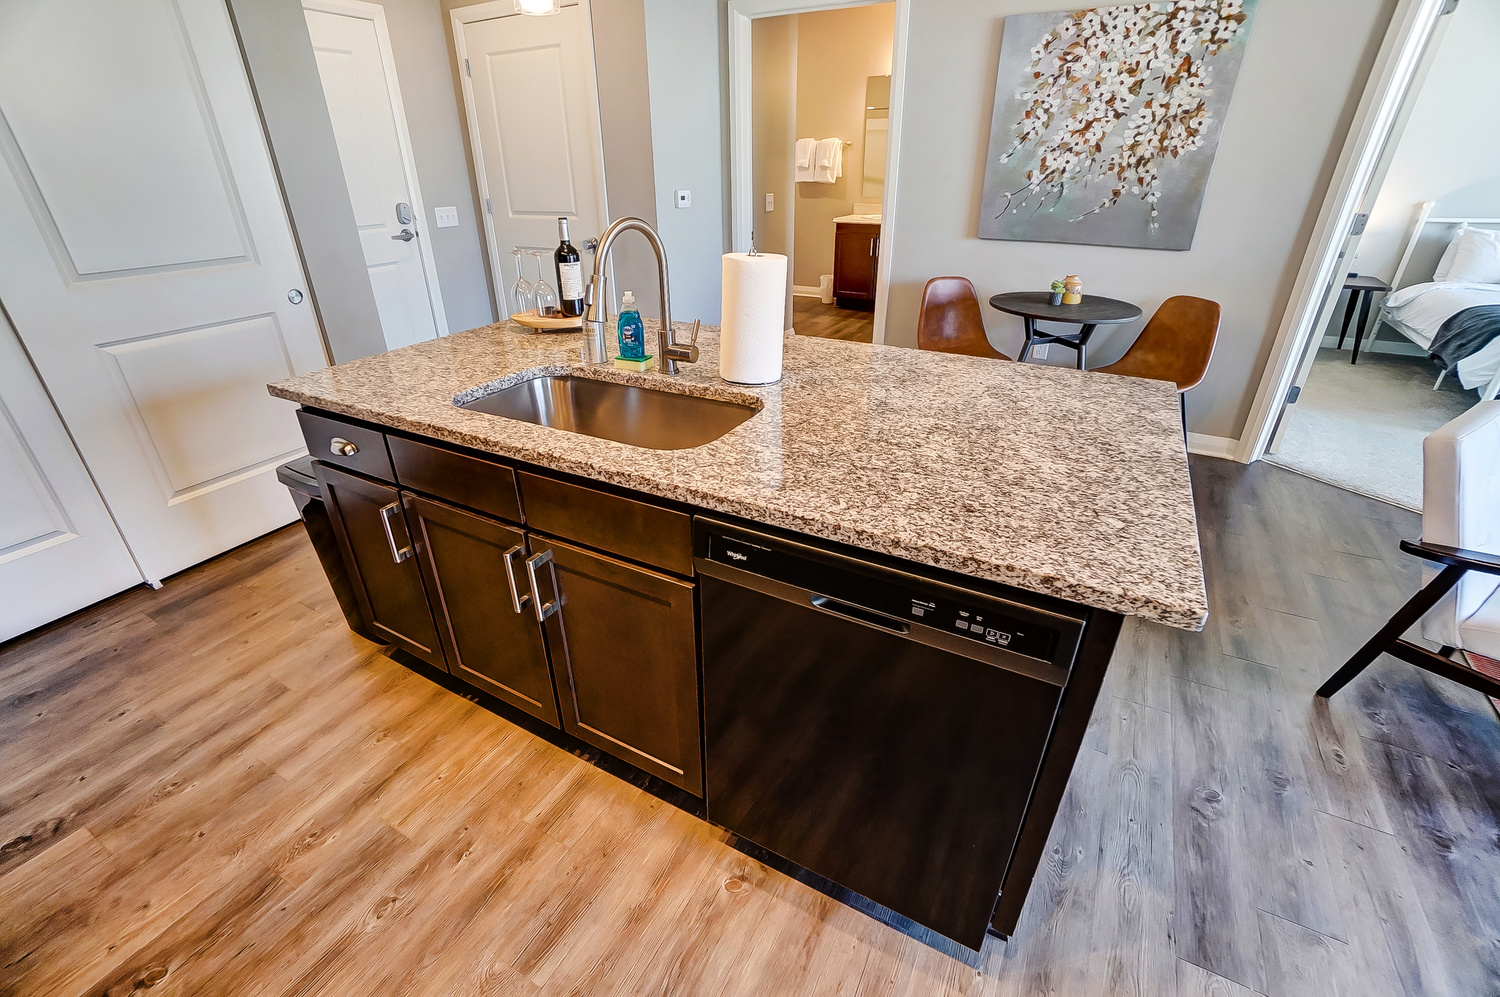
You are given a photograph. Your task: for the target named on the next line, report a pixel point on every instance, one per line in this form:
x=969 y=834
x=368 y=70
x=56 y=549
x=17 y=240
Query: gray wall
x=773 y=103
x=684 y=43
x=279 y=56
x=619 y=28
x=1304 y=71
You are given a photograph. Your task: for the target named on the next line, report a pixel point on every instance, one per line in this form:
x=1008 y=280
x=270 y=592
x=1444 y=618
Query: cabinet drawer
x=368 y=455
x=635 y=530
x=458 y=478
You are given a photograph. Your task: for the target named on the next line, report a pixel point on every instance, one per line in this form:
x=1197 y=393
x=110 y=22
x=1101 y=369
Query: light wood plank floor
x=217 y=789
x=810 y=317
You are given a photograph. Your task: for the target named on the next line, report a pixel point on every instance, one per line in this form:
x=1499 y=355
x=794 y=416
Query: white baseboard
x=806 y=292
x=1212 y=446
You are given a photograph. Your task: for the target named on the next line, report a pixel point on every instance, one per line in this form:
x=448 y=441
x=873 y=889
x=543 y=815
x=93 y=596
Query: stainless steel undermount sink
x=609 y=410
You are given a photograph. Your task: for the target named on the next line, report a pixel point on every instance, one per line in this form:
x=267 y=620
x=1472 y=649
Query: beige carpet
x=1361 y=426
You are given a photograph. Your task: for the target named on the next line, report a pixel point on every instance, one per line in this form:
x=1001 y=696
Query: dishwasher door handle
x=860 y=614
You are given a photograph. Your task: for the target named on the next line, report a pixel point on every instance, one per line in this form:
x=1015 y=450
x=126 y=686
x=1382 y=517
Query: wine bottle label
x=570 y=275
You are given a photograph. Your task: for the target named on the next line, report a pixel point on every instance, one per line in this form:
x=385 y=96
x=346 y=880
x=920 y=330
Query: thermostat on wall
x=684 y=198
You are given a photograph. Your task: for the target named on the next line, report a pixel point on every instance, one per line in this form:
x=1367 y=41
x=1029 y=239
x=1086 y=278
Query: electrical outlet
x=684 y=198
x=770 y=202
x=446 y=217
x=1040 y=351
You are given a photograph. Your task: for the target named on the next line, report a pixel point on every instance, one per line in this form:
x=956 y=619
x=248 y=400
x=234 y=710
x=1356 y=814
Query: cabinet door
x=625 y=651
x=854 y=255
x=485 y=618
x=378 y=549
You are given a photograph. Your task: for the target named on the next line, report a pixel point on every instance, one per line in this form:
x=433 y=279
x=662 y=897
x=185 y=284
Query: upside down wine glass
x=520 y=291
x=546 y=298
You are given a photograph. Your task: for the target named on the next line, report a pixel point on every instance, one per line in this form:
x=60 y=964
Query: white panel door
x=534 y=123
x=148 y=265
x=59 y=550
x=359 y=84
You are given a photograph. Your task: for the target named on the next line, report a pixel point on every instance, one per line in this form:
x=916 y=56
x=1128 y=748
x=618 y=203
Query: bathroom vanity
x=864 y=614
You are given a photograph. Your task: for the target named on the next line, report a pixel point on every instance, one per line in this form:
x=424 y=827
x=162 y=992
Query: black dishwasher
x=879 y=726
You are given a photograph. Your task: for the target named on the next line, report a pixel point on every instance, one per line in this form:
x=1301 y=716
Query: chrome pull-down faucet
x=596 y=299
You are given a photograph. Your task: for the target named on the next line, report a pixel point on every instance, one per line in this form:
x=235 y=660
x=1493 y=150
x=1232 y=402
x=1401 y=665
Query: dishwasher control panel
x=988 y=626
x=909 y=604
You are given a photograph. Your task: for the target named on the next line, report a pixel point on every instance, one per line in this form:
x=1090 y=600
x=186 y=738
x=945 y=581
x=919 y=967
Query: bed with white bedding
x=1419 y=311
x=1461 y=258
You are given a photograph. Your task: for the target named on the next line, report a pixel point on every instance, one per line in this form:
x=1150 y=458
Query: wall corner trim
x=1213 y=446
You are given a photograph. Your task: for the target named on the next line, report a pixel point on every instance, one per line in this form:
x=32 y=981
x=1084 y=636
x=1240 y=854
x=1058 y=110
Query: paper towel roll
x=754 y=318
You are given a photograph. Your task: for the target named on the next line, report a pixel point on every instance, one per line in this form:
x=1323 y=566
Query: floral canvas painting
x=1107 y=119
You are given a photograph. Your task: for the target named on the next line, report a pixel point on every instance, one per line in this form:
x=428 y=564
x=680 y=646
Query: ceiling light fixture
x=538 y=7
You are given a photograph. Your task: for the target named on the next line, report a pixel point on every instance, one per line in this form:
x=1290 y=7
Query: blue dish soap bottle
x=632 y=330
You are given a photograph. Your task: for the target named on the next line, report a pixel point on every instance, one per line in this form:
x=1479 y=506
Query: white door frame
x=375 y=13
x=741 y=143
x=1397 y=62
x=489 y=12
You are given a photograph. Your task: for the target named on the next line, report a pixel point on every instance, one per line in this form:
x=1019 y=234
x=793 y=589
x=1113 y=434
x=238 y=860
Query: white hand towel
x=805 y=153
x=828 y=160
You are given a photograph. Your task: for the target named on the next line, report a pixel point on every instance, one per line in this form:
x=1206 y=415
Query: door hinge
x=489 y=205
x=467 y=71
x=1449 y=6
x=1292 y=393
x=1360 y=221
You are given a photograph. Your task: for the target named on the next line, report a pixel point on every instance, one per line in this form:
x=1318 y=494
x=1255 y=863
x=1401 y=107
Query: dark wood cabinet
x=856 y=254
x=475 y=572
x=614 y=662
x=625 y=653
x=379 y=553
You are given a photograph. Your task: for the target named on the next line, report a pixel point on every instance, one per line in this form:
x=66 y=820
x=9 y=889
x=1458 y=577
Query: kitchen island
x=1057 y=496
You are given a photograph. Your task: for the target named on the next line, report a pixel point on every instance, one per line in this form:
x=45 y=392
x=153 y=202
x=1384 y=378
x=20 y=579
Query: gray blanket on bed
x=1465 y=333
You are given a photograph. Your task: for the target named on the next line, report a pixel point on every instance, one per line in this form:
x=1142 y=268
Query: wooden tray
x=559 y=323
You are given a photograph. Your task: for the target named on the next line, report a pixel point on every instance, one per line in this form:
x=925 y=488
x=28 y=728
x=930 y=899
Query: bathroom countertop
x=1073 y=484
x=857 y=220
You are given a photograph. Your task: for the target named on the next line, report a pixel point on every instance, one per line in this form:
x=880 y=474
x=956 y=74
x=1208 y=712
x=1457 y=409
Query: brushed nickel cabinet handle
x=340 y=447
x=398 y=554
x=518 y=599
x=543 y=610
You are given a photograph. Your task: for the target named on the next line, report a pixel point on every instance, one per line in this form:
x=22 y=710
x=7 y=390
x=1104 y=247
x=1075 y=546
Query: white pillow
x=1475 y=260
x=1445 y=263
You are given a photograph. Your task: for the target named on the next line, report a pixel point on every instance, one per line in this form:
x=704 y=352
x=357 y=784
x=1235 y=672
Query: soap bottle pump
x=632 y=330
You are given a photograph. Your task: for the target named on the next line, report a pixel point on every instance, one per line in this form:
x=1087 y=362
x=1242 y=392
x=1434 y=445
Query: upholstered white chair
x=1459 y=605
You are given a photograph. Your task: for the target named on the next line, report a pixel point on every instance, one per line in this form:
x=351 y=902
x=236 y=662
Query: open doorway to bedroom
x=1409 y=335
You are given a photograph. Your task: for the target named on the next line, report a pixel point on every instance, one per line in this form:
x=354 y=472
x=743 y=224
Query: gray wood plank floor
x=217 y=789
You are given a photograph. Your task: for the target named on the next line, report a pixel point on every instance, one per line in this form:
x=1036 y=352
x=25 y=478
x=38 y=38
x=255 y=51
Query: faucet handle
x=688 y=353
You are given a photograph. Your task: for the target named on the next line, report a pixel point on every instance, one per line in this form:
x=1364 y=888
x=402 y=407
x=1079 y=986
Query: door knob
x=294 y=296
x=341 y=447
x=406 y=235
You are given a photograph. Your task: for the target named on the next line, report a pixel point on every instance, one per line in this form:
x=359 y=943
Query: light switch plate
x=684 y=198
x=446 y=217
x=770 y=202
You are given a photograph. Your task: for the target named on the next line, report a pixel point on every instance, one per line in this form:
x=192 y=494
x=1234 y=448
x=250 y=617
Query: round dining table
x=1090 y=313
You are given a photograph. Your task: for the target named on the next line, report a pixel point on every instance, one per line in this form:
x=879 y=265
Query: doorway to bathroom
x=815 y=108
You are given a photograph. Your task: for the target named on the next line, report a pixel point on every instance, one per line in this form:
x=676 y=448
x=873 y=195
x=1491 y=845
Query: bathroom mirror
x=877 y=117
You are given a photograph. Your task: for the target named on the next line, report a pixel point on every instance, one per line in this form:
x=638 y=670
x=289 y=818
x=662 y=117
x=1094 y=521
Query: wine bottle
x=569 y=273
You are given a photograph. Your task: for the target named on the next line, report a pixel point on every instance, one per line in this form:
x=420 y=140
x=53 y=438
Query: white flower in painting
x=1137 y=74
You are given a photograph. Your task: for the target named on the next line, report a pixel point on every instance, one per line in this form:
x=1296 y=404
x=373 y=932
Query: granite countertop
x=1073 y=484
x=857 y=219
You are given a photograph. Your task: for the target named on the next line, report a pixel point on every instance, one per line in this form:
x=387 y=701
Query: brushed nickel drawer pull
x=543 y=610
x=341 y=447
x=518 y=599
x=397 y=554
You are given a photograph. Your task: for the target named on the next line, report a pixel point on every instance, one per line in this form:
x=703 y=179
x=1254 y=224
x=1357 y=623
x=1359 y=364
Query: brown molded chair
x=1176 y=345
x=951 y=321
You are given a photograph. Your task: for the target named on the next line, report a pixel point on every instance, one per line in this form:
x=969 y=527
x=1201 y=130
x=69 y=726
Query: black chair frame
x=1456 y=563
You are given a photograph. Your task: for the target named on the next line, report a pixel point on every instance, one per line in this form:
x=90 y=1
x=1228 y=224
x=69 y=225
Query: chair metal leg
x=1389 y=634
